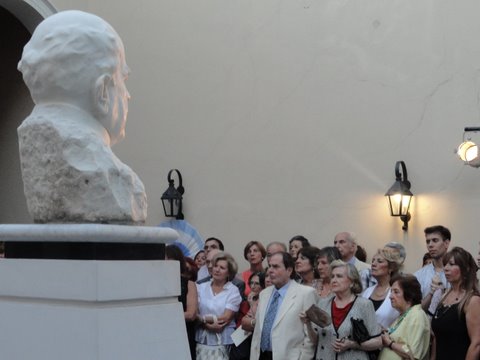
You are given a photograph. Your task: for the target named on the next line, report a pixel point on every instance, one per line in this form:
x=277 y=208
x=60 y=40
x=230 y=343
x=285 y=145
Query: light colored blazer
x=290 y=340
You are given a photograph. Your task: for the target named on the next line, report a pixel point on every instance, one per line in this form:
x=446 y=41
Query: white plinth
x=100 y=233
x=91 y=310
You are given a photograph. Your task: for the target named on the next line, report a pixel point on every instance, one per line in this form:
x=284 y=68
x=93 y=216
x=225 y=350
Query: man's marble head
x=78 y=59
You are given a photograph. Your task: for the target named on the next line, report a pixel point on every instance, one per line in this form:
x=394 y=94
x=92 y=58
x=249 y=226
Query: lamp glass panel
x=168 y=207
x=171 y=207
x=396 y=201
x=174 y=207
x=405 y=204
x=399 y=204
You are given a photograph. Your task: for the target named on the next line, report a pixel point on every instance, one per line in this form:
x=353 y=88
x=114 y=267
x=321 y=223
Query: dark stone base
x=84 y=251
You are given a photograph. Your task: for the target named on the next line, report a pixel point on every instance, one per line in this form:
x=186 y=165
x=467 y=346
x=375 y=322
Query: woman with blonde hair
x=385 y=264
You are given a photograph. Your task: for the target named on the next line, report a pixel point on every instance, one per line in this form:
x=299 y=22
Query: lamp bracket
x=405 y=219
x=471 y=129
x=399 y=174
x=180 y=187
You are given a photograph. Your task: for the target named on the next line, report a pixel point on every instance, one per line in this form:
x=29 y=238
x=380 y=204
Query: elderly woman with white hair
x=335 y=341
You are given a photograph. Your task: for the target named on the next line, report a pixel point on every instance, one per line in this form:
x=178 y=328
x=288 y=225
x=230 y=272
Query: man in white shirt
x=432 y=277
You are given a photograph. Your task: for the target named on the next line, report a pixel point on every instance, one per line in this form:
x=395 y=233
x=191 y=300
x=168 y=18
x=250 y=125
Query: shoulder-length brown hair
x=468 y=271
x=260 y=247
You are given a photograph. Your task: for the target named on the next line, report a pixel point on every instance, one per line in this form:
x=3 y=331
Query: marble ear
x=102 y=94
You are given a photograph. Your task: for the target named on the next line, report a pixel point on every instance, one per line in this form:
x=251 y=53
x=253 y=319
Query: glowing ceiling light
x=467 y=151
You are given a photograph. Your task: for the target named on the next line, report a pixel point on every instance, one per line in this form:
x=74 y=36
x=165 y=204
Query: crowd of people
x=305 y=302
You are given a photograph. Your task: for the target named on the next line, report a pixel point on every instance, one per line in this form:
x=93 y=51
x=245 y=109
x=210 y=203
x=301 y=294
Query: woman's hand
x=343 y=344
x=252 y=298
x=216 y=326
x=311 y=333
x=386 y=339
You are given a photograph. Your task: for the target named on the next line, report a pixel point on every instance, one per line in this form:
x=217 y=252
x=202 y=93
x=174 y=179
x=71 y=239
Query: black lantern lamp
x=399 y=195
x=172 y=198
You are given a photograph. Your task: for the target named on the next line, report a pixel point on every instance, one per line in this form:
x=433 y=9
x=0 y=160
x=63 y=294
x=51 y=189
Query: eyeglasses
x=253 y=283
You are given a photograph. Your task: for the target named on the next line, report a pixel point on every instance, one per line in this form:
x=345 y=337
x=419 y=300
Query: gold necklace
x=219 y=288
x=449 y=302
x=380 y=295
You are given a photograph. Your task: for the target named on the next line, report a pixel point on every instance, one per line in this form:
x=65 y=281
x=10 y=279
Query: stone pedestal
x=60 y=309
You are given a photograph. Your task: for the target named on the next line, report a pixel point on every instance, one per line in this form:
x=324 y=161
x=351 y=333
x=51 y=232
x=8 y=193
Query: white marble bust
x=74 y=66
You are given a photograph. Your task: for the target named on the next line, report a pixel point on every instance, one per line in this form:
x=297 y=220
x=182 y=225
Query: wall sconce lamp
x=468 y=150
x=172 y=198
x=399 y=195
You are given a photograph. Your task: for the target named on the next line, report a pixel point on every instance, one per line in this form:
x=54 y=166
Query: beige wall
x=287 y=117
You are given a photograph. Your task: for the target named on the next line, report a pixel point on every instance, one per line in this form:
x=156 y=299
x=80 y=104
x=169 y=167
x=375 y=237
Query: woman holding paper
x=218 y=302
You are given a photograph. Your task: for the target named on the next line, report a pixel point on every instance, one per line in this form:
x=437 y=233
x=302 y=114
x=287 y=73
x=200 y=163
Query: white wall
x=287 y=117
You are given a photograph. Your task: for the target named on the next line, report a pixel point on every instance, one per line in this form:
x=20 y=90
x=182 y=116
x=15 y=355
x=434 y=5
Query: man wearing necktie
x=279 y=332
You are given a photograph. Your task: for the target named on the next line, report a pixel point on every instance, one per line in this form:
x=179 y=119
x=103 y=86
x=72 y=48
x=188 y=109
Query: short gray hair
x=281 y=244
x=399 y=247
x=352 y=274
x=351 y=236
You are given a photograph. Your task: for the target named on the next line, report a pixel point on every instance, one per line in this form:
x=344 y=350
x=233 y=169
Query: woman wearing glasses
x=408 y=337
x=256 y=283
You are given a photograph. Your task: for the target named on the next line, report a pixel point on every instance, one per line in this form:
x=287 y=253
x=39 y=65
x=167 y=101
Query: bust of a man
x=74 y=66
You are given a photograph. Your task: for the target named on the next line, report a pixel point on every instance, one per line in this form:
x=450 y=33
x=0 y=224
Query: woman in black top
x=456 y=322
